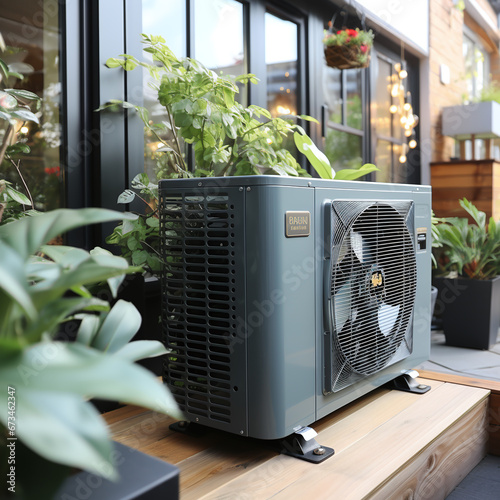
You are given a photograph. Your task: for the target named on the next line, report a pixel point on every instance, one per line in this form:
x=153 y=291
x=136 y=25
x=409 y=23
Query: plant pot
x=142 y=477
x=470 y=311
x=343 y=57
x=434 y=294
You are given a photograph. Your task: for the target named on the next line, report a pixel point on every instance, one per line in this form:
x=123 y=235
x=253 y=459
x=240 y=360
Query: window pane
x=333 y=93
x=32 y=34
x=167 y=19
x=343 y=150
x=383 y=160
x=281 y=61
x=380 y=107
x=219 y=38
x=353 y=97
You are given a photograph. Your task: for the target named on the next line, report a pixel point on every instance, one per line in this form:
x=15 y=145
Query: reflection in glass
x=166 y=19
x=333 y=92
x=353 y=100
x=382 y=103
x=383 y=160
x=31 y=32
x=281 y=61
x=344 y=150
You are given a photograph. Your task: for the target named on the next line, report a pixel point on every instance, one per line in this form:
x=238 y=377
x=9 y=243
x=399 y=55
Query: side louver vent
x=372 y=289
x=199 y=301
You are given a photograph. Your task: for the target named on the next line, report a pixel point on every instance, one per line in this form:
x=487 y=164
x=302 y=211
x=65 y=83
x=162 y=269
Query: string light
x=403 y=106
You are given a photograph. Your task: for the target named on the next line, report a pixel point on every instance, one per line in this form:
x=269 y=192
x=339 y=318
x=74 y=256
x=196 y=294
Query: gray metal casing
x=275 y=337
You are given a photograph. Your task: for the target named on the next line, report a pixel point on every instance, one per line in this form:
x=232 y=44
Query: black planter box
x=470 y=311
x=142 y=477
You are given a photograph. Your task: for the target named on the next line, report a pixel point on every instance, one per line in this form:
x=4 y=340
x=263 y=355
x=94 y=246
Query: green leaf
x=52 y=381
x=141 y=349
x=18 y=148
x=308 y=118
x=114 y=62
x=126 y=197
x=153 y=222
x=25 y=115
x=23 y=94
x=17 y=196
x=355 y=173
x=120 y=325
x=7 y=101
x=27 y=235
x=13 y=281
x=89 y=326
x=316 y=157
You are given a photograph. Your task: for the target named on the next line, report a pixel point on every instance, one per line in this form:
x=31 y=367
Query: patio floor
x=461 y=361
x=483 y=482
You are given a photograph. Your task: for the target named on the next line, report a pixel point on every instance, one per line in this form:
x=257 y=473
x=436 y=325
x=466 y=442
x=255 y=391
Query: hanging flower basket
x=348 y=48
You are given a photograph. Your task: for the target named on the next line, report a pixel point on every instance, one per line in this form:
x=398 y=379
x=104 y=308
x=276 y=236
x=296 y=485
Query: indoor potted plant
x=468 y=257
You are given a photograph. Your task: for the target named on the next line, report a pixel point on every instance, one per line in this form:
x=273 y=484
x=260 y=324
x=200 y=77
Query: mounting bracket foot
x=407 y=382
x=301 y=444
x=188 y=428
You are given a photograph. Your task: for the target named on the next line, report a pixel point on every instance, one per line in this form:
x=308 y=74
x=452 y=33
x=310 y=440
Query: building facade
x=83 y=158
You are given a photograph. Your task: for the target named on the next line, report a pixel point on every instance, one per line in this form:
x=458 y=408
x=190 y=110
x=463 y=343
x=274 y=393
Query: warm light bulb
x=407 y=106
x=24 y=130
x=403 y=74
x=403 y=120
x=402 y=159
x=412 y=144
x=282 y=110
x=395 y=90
x=408 y=132
x=393 y=109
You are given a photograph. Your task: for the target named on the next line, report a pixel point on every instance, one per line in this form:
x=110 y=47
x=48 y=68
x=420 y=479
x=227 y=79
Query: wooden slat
x=342 y=427
x=371 y=446
x=491 y=385
x=436 y=471
x=494 y=402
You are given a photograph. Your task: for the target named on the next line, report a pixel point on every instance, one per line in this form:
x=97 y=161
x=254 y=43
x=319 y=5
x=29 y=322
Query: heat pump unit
x=284 y=299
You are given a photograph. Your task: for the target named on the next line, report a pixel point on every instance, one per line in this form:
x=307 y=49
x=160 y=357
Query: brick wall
x=446 y=29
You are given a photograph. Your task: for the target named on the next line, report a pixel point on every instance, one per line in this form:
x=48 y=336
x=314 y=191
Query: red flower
x=52 y=171
x=352 y=33
x=339 y=32
x=363 y=48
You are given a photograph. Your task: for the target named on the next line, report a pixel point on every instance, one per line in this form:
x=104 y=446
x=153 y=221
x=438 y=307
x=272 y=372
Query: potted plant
x=468 y=254
x=46 y=414
x=227 y=138
x=347 y=48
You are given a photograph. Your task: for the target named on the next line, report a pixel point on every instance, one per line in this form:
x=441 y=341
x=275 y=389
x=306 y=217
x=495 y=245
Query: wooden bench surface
x=387 y=444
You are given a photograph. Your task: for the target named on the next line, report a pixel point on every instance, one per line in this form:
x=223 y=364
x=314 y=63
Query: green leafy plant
x=227 y=137
x=47 y=381
x=16 y=107
x=465 y=249
x=139 y=239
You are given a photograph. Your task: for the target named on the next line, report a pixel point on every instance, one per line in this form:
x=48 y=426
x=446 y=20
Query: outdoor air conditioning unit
x=284 y=299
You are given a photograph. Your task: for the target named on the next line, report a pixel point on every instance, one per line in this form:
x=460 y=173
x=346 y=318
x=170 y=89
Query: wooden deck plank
x=374 y=449
x=436 y=471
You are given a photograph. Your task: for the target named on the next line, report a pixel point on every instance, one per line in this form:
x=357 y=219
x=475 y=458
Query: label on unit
x=297 y=224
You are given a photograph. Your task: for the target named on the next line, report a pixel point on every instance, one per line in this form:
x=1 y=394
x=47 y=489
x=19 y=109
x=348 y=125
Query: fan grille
x=373 y=286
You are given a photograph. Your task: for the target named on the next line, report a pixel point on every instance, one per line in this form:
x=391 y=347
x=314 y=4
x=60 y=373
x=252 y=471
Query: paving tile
x=482 y=483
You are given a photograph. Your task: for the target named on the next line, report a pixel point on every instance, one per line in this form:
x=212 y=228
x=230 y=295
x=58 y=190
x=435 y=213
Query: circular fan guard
x=372 y=289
